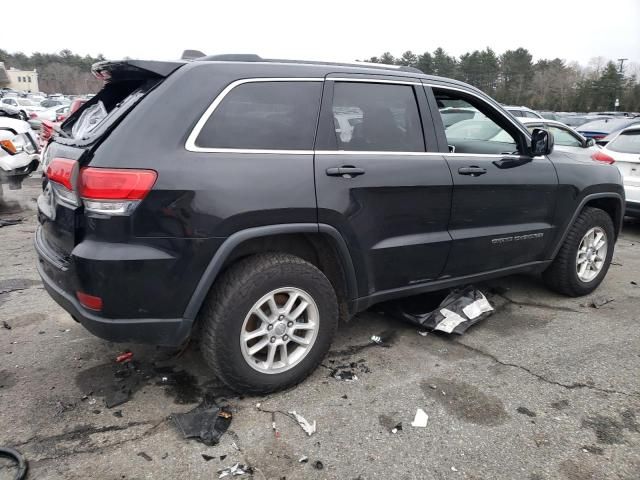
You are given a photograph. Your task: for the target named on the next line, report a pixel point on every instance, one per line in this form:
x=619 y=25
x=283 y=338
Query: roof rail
x=251 y=57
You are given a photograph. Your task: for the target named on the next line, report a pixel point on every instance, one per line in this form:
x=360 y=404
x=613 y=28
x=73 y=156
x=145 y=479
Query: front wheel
x=585 y=255
x=268 y=322
x=23 y=115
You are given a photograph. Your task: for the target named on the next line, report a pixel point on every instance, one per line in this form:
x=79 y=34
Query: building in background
x=4 y=78
x=21 y=80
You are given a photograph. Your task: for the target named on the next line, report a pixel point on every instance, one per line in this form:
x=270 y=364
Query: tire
x=562 y=275
x=23 y=115
x=225 y=315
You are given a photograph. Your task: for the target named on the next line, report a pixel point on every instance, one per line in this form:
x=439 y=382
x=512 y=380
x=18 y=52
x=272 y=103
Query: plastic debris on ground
x=125 y=357
x=309 y=428
x=461 y=309
x=235 y=471
x=348 y=372
x=421 y=419
x=5 y=222
x=145 y=456
x=397 y=428
x=206 y=423
x=600 y=301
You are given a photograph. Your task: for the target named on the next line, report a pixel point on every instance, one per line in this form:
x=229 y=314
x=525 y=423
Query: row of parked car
x=36 y=107
x=601 y=126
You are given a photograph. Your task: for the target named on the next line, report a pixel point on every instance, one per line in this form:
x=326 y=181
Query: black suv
x=253 y=204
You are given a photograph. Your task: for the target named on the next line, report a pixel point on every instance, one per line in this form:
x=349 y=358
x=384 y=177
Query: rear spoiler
x=134 y=69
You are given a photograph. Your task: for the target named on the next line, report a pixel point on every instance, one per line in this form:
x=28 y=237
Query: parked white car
x=624 y=152
x=52 y=113
x=522 y=112
x=565 y=137
x=27 y=108
x=18 y=152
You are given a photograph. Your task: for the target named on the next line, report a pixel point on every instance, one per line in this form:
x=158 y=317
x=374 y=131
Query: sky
x=346 y=30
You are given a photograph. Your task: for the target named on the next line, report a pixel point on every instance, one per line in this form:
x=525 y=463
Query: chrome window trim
x=190 y=144
x=518 y=125
x=377 y=152
x=373 y=80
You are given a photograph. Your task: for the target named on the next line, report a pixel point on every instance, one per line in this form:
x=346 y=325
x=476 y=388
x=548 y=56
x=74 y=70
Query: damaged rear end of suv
x=90 y=240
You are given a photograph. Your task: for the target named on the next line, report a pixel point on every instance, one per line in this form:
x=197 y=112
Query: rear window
x=111 y=103
x=627 y=142
x=265 y=116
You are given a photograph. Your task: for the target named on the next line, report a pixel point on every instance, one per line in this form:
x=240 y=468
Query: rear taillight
x=33 y=115
x=114 y=191
x=89 y=301
x=600 y=156
x=62 y=174
x=107 y=191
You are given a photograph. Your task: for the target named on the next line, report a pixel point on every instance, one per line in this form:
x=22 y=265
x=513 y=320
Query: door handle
x=473 y=171
x=346 y=171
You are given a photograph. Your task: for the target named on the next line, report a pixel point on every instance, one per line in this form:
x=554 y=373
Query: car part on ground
x=458 y=311
x=291 y=194
x=21 y=462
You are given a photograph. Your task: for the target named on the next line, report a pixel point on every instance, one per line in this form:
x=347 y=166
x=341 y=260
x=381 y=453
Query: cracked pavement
x=546 y=388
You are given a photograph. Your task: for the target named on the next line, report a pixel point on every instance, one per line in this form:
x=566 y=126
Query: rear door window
x=376 y=117
x=265 y=116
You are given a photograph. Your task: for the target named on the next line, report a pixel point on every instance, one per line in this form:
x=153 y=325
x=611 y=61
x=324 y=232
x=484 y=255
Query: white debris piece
x=454 y=469
x=424 y=334
x=309 y=428
x=235 y=471
x=477 y=308
x=376 y=339
x=420 y=419
x=451 y=320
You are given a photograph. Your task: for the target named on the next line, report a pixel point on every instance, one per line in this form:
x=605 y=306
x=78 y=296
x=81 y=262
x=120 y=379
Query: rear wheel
x=268 y=322
x=585 y=255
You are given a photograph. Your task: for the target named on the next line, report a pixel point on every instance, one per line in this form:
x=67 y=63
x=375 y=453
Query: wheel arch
x=612 y=203
x=321 y=245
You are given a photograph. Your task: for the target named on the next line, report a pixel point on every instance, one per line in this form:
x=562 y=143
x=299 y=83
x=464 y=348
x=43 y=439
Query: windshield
x=626 y=142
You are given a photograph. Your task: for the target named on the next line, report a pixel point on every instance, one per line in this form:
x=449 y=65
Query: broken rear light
x=62 y=173
x=600 y=156
x=114 y=191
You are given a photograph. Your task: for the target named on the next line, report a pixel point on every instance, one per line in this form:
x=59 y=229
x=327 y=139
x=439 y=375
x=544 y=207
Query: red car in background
x=47 y=128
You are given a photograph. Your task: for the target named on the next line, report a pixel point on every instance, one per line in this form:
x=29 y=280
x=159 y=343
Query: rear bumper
x=170 y=332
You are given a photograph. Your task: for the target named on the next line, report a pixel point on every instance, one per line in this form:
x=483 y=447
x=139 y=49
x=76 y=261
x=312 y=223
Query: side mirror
x=590 y=143
x=541 y=142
